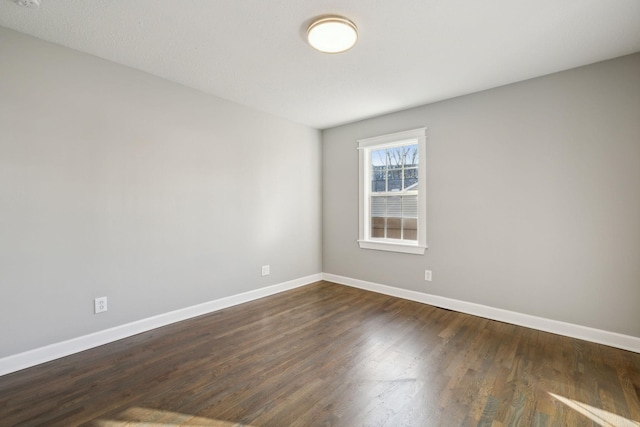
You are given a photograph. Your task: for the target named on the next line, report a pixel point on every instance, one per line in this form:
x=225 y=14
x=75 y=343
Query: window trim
x=365 y=146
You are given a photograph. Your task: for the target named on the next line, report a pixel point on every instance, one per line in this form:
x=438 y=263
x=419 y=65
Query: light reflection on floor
x=597 y=415
x=147 y=417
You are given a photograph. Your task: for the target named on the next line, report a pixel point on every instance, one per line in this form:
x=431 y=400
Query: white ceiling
x=410 y=52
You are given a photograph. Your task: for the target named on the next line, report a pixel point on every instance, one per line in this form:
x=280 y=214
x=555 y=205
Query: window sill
x=392 y=247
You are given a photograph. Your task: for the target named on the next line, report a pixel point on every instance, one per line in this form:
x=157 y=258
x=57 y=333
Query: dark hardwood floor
x=330 y=355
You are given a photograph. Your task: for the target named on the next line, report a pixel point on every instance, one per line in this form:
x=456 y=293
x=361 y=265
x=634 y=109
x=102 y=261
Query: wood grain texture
x=330 y=355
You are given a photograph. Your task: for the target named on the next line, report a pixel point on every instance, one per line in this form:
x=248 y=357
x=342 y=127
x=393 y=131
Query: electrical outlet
x=266 y=270
x=100 y=305
x=33 y=4
x=427 y=275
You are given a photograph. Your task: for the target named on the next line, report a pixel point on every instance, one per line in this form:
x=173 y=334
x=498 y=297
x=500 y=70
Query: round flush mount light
x=332 y=34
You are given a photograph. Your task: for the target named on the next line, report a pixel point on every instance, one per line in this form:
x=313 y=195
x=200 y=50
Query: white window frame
x=365 y=147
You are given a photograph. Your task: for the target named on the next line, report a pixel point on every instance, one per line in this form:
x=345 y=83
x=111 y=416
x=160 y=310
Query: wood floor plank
x=330 y=355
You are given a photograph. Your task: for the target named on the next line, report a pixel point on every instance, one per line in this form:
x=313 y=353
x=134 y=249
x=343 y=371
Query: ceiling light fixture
x=332 y=34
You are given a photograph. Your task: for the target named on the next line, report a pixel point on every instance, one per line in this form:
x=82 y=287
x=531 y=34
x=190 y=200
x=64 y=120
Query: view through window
x=394 y=192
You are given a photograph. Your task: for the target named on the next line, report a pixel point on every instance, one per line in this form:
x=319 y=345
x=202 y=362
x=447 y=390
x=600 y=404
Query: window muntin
x=392 y=208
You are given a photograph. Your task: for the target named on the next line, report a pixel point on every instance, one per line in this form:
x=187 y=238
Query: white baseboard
x=40 y=355
x=613 y=339
x=65 y=348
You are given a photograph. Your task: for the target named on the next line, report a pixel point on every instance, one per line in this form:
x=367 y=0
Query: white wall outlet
x=427 y=275
x=100 y=305
x=266 y=270
x=33 y=4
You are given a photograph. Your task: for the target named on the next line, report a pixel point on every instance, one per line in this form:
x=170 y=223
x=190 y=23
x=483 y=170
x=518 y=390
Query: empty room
x=320 y=213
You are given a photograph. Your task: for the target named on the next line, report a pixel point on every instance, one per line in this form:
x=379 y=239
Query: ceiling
x=410 y=52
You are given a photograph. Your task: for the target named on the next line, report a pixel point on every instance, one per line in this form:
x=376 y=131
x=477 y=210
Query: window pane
x=378 y=213
x=394 y=228
x=379 y=157
x=410 y=206
x=394 y=206
x=394 y=217
x=410 y=229
x=410 y=155
x=378 y=207
x=378 y=182
x=395 y=180
x=377 y=227
x=410 y=178
x=395 y=157
x=379 y=170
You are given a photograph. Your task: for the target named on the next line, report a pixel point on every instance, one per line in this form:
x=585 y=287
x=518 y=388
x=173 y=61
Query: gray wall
x=533 y=198
x=114 y=182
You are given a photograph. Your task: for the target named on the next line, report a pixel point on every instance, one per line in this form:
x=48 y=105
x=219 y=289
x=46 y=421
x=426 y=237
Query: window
x=392 y=192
